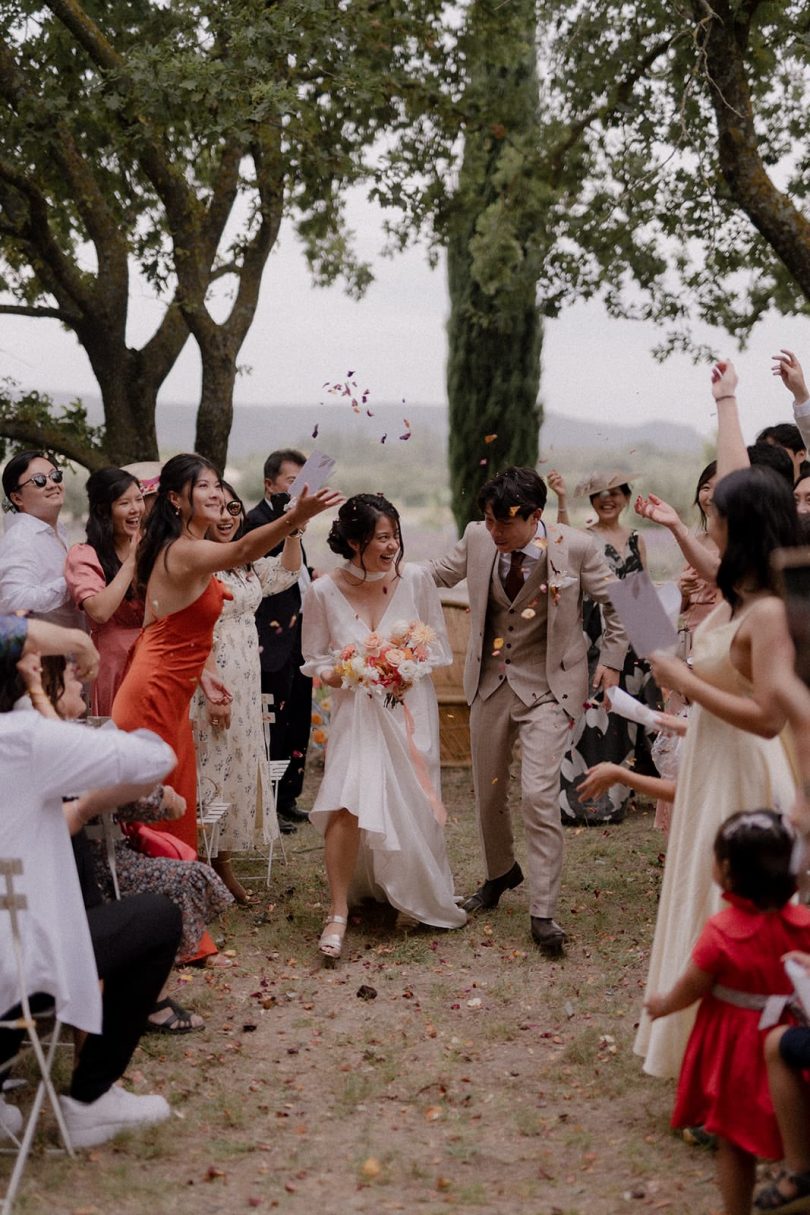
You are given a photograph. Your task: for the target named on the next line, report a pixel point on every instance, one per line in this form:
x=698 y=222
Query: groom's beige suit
x=526 y=676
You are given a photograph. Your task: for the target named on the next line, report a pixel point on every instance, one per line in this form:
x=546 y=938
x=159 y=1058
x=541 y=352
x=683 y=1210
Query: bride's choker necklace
x=363 y=575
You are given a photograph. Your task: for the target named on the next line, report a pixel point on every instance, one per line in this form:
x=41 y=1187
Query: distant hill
x=259 y=428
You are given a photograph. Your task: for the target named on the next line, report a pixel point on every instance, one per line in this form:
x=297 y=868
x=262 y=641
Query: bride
x=378 y=804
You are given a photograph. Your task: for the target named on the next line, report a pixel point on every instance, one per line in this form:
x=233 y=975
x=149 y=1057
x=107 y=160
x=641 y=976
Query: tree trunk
x=215 y=411
x=494 y=330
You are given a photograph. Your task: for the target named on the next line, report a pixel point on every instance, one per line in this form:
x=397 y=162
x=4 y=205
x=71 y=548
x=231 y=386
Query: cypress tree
x=495 y=328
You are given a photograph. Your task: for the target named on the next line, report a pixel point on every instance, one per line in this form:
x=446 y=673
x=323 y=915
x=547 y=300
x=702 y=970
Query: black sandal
x=178 y=1023
x=771 y=1198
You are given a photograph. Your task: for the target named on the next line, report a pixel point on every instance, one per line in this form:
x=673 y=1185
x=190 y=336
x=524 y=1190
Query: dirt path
x=478 y=1075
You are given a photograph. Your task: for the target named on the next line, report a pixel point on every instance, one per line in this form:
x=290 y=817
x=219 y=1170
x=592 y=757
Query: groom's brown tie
x=513 y=582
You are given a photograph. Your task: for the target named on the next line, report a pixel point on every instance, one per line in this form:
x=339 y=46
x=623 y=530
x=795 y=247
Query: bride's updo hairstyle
x=356 y=524
x=178 y=475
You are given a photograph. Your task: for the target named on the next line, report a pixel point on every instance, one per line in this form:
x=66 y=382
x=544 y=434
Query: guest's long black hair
x=178 y=475
x=357 y=522
x=760 y=514
x=104 y=487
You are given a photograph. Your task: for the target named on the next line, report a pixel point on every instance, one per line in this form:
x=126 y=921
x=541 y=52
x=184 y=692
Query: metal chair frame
x=14 y=903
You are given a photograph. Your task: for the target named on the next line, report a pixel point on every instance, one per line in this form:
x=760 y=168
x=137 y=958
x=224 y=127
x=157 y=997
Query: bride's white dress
x=369 y=770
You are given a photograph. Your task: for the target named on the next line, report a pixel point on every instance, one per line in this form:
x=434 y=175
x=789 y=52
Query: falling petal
x=404 y=437
x=382 y=440
x=315 y=431
x=528 y=613
x=490 y=438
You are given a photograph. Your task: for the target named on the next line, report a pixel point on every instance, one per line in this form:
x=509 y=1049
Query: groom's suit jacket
x=535 y=643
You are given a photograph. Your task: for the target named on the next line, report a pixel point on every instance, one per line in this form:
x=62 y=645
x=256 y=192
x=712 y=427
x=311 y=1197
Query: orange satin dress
x=155 y=694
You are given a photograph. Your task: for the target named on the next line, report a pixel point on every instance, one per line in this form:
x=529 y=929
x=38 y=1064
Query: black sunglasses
x=234 y=507
x=41 y=479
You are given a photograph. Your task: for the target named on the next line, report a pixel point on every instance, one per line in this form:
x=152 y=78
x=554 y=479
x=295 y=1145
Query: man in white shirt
x=34 y=546
x=131 y=944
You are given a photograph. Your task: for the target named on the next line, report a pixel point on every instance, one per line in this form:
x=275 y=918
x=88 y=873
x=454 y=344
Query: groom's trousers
x=543 y=730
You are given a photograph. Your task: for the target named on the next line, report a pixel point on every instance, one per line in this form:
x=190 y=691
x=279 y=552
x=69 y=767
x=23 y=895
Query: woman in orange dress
x=176 y=564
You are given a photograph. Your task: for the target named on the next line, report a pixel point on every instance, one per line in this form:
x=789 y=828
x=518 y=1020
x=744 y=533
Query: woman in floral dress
x=232 y=758
x=602 y=736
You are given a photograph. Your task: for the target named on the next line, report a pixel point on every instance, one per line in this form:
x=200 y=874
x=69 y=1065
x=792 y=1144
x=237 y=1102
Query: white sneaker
x=114 y=1111
x=11 y=1120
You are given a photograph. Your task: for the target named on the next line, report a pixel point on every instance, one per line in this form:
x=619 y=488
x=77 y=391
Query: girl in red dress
x=736 y=965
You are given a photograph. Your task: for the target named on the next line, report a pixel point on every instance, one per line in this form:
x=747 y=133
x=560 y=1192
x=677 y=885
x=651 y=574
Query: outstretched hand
x=556 y=483
x=307 y=505
x=597 y=780
x=658 y=511
x=789 y=369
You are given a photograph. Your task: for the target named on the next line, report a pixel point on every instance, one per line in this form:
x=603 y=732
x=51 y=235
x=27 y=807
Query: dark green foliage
x=494 y=330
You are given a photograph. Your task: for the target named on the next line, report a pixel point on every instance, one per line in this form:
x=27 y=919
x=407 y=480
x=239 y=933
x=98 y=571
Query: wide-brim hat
x=597 y=482
x=147 y=473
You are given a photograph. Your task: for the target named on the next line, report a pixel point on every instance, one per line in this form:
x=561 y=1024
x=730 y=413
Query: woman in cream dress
x=734 y=756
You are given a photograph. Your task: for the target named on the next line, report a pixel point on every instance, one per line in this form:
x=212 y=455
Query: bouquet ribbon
x=420 y=768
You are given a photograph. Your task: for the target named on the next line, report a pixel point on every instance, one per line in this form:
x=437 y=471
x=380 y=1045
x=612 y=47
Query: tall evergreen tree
x=493 y=258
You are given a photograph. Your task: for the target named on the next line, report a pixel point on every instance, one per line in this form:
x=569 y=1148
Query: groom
x=526 y=677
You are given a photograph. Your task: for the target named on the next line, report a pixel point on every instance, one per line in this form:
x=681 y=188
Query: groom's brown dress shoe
x=488 y=895
x=549 y=936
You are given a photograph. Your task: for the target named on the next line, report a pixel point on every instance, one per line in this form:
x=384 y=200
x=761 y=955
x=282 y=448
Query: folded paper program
x=633 y=710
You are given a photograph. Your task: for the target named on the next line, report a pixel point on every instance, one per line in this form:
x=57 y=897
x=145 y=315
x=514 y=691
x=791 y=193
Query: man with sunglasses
x=34 y=546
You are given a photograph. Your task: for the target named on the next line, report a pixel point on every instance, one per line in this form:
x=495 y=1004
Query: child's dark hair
x=356 y=523
x=757 y=846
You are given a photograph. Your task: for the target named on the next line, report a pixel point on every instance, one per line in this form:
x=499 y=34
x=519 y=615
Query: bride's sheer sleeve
x=317 y=645
x=429 y=608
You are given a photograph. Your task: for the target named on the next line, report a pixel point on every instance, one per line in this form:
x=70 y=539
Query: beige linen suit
x=526 y=677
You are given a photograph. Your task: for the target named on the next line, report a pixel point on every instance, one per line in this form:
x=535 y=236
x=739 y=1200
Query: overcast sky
x=394 y=340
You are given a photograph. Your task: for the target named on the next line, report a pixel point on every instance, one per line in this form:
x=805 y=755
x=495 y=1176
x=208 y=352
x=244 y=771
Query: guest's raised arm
x=732 y=452
x=789 y=369
x=702 y=559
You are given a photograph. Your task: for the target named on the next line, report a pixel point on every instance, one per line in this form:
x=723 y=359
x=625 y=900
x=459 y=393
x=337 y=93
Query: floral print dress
x=601 y=736
x=233 y=762
x=192 y=885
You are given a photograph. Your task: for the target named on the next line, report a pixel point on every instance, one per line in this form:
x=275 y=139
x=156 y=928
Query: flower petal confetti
x=490 y=438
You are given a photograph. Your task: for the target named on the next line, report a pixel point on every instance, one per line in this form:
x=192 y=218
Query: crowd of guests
x=181 y=610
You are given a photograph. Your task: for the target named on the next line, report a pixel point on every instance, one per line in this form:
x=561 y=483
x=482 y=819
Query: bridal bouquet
x=388 y=666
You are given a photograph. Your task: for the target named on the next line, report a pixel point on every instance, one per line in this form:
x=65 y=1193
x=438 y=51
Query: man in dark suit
x=278 y=621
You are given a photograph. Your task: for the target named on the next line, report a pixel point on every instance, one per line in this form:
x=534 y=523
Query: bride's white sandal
x=331 y=944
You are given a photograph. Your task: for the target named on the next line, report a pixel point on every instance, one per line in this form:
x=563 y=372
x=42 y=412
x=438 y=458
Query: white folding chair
x=211 y=809
x=105 y=830
x=14 y=903
x=275 y=770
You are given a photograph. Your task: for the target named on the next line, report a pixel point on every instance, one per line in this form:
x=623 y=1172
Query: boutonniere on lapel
x=559 y=579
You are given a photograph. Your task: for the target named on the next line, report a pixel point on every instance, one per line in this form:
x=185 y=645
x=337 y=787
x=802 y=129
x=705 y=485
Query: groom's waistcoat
x=514 y=648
